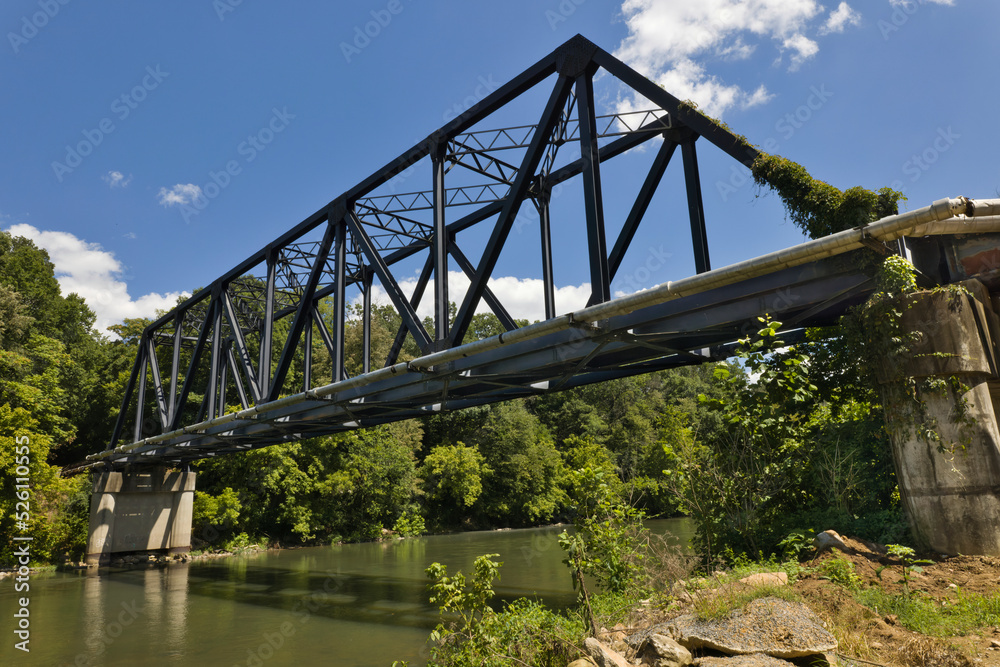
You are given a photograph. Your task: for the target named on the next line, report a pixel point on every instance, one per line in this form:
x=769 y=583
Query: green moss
x=817 y=207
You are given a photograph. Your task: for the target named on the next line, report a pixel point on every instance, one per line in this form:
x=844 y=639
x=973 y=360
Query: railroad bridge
x=250 y=338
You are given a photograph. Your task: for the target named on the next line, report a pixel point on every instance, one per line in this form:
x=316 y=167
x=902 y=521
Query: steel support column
x=440 y=248
x=600 y=282
x=696 y=210
x=545 y=229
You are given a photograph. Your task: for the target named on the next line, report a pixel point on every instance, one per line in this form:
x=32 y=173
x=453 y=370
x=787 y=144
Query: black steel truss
x=239 y=338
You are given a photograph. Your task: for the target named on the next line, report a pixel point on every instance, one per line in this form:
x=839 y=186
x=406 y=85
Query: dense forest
x=782 y=438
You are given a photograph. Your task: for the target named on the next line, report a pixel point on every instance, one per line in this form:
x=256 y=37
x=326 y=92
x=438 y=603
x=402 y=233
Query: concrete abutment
x=949 y=484
x=140 y=510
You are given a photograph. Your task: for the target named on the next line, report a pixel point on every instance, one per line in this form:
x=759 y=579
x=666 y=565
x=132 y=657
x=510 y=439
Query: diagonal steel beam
x=301 y=315
x=491 y=299
x=418 y=294
x=525 y=176
x=696 y=208
x=241 y=346
x=154 y=367
x=409 y=315
x=199 y=348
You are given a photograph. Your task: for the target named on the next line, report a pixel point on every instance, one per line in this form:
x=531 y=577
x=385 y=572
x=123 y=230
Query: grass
x=719 y=603
x=921 y=614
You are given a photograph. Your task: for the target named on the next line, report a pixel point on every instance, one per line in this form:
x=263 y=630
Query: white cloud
x=116 y=179
x=839 y=19
x=522 y=297
x=670 y=40
x=94 y=274
x=130 y=235
x=179 y=195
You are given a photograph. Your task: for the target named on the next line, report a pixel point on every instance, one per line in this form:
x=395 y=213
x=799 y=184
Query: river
x=353 y=605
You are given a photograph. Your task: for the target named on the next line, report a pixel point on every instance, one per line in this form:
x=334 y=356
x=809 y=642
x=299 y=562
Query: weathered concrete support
x=144 y=510
x=950 y=487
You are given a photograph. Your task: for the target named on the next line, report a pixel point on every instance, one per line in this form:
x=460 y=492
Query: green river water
x=352 y=605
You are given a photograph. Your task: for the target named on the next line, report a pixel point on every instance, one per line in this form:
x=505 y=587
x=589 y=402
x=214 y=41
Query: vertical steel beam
x=175 y=365
x=267 y=326
x=366 y=324
x=512 y=204
x=696 y=209
x=307 y=356
x=440 y=247
x=600 y=281
x=545 y=229
x=214 y=365
x=140 y=403
x=339 y=300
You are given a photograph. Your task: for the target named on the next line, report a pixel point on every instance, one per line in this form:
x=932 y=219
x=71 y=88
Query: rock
x=602 y=655
x=751 y=660
x=767 y=625
x=661 y=651
x=829 y=539
x=766 y=579
x=995 y=644
x=582 y=662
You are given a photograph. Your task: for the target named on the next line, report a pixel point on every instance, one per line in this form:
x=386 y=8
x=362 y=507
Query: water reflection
x=358 y=604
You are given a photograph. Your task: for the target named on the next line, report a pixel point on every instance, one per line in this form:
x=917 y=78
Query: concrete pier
x=951 y=497
x=141 y=510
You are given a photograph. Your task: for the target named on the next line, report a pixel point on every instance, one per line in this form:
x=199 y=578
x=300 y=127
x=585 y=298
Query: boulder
x=661 y=651
x=751 y=660
x=829 y=539
x=766 y=579
x=582 y=662
x=768 y=625
x=603 y=655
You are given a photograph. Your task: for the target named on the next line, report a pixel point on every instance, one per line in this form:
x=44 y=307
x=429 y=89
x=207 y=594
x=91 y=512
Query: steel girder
x=245 y=335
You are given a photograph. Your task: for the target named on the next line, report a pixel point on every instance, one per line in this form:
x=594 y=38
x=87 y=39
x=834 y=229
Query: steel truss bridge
x=245 y=336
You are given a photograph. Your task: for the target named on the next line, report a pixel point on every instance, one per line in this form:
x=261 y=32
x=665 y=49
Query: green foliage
x=797 y=543
x=816 y=207
x=608 y=541
x=452 y=480
x=911 y=564
x=409 y=524
x=840 y=571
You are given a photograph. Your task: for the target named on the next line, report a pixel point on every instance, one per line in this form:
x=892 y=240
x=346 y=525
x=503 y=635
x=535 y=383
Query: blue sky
x=299 y=105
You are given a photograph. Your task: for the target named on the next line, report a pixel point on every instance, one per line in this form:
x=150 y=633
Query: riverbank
x=878 y=609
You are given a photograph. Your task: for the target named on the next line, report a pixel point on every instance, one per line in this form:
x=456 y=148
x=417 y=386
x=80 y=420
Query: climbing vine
x=884 y=347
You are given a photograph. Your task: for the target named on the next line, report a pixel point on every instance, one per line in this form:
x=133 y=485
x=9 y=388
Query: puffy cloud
x=839 y=19
x=179 y=195
x=116 y=179
x=669 y=41
x=95 y=274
